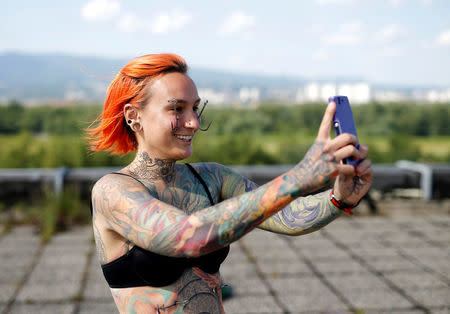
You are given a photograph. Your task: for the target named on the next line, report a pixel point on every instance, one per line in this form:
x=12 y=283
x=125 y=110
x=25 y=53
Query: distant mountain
x=53 y=76
x=40 y=77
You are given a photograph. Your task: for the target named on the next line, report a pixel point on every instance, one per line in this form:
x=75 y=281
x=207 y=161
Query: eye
x=195 y=108
x=176 y=108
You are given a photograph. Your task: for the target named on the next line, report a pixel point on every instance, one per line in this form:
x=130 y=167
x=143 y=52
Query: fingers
x=346 y=170
x=363 y=149
x=327 y=121
x=347 y=152
x=340 y=141
x=364 y=167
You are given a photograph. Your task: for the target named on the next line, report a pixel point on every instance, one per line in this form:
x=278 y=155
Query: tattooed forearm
x=316 y=169
x=164 y=229
x=304 y=215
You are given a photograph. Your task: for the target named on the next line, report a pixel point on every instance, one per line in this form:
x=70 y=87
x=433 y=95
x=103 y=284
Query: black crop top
x=139 y=267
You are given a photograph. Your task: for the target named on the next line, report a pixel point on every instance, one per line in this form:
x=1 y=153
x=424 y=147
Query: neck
x=147 y=168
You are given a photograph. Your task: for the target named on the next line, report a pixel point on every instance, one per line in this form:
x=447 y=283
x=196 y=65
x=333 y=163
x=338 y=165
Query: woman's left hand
x=351 y=188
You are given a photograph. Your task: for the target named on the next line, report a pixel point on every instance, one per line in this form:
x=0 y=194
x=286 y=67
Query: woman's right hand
x=322 y=162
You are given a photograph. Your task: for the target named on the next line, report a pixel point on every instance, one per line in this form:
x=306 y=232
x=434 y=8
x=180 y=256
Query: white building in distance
x=249 y=95
x=357 y=93
x=215 y=98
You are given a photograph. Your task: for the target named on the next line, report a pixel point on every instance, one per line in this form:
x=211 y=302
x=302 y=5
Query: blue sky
x=401 y=42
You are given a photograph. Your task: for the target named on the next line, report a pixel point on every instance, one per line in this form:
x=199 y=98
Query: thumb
x=327 y=121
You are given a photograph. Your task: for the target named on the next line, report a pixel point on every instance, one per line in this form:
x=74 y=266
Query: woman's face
x=172 y=96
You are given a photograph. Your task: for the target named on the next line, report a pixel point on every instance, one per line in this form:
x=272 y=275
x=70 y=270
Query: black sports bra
x=139 y=267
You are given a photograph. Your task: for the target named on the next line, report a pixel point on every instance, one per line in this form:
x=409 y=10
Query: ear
x=130 y=112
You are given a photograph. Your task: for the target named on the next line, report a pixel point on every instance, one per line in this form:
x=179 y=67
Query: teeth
x=184 y=138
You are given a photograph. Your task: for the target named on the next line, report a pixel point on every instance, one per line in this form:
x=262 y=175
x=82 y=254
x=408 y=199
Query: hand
x=351 y=188
x=322 y=162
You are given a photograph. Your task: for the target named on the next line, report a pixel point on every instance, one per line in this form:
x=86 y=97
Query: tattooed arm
x=301 y=216
x=307 y=214
x=129 y=209
x=132 y=212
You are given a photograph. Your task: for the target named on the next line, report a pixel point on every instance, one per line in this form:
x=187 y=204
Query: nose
x=192 y=121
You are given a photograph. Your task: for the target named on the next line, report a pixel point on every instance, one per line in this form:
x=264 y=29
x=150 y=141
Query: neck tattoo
x=145 y=167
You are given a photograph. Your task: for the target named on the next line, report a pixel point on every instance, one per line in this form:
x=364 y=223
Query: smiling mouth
x=184 y=138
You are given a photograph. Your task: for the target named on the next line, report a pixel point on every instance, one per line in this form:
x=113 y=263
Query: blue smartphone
x=343 y=122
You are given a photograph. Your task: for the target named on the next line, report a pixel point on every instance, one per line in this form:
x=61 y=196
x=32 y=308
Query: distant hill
x=40 y=77
x=54 y=76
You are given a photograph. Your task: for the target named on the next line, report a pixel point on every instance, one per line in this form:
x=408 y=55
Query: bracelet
x=341 y=205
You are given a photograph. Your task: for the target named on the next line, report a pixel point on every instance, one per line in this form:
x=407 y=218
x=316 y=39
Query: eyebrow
x=182 y=101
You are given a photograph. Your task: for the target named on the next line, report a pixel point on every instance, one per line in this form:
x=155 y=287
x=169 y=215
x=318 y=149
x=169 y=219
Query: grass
x=50 y=214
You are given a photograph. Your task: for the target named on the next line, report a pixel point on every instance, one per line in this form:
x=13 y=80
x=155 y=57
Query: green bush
x=47 y=136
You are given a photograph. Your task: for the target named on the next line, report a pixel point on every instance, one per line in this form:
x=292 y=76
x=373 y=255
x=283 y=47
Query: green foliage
x=28 y=151
x=48 y=136
x=229 y=150
x=14 y=118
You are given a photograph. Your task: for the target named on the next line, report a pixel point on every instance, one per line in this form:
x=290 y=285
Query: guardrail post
x=426 y=176
x=58 y=183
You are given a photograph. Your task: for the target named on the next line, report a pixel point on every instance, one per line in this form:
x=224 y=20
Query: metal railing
x=432 y=179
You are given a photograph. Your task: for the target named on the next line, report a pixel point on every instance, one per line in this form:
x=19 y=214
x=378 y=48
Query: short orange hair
x=130 y=86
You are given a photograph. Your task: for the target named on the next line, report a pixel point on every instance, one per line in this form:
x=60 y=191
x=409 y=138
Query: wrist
x=341 y=205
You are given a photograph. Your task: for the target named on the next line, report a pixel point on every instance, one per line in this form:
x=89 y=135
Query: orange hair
x=129 y=87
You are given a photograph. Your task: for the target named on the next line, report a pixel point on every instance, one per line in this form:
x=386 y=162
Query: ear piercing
x=135 y=126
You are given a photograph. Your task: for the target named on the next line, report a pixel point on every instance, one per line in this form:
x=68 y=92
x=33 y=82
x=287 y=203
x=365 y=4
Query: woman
x=163 y=228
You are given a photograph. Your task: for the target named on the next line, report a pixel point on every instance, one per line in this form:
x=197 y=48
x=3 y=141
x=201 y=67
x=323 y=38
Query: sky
x=391 y=42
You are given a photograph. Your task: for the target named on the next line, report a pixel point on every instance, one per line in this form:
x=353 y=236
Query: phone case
x=343 y=122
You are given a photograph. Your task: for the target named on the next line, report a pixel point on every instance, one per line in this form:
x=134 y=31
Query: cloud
x=346 y=34
x=390 y=33
x=391 y=52
x=163 y=23
x=100 y=10
x=396 y=3
x=166 y=22
x=443 y=38
x=237 y=22
x=131 y=23
x=338 y=2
